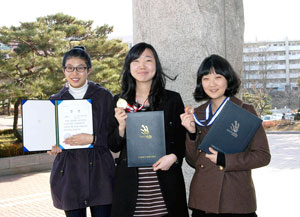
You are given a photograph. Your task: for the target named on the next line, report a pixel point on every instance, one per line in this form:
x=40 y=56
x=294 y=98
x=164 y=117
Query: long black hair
x=80 y=52
x=221 y=66
x=128 y=91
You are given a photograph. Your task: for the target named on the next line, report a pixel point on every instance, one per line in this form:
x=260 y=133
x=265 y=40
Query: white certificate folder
x=49 y=122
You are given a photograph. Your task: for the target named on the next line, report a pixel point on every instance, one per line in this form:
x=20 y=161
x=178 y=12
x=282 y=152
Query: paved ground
x=277 y=185
x=6 y=123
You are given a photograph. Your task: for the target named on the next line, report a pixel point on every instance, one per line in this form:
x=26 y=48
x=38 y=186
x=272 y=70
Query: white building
x=273 y=65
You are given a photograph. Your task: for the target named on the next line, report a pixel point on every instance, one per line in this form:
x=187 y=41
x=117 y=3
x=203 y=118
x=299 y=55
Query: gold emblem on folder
x=145 y=132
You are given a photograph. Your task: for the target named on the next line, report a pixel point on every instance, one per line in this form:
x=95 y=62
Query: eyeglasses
x=78 y=68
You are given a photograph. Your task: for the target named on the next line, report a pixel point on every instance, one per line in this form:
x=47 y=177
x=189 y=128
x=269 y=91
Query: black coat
x=171 y=181
x=84 y=177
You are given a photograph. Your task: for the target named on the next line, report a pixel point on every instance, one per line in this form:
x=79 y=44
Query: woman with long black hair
x=148 y=191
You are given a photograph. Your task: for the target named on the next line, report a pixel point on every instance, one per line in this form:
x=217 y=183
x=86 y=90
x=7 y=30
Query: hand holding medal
x=122 y=103
x=121 y=115
x=187 y=119
x=189 y=109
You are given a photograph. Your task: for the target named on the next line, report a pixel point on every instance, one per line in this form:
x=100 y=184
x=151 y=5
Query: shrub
x=297 y=117
x=9 y=147
x=9 y=150
x=269 y=124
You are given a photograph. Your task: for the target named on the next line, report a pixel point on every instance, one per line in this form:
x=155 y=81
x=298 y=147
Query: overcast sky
x=113 y=12
x=264 y=19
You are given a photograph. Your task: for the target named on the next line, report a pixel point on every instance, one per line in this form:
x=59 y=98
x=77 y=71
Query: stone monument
x=185 y=32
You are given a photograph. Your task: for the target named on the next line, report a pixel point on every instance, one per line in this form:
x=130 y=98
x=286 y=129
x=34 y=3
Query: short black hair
x=80 y=52
x=221 y=66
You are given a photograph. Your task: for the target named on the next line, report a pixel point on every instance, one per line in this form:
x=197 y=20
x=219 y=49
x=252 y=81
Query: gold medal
x=121 y=103
x=189 y=109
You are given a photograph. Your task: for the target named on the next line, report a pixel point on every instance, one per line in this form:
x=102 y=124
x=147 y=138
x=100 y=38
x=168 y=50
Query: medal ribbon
x=134 y=108
x=208 y=113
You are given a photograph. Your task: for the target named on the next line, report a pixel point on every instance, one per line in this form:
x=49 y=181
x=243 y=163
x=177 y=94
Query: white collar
x=78 y=93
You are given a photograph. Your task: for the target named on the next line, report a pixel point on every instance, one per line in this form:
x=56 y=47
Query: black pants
x=96 y=211
x=199 y=213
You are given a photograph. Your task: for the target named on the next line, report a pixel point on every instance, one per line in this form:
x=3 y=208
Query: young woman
x=83 y=178
x=148 y=191
x=222 y=184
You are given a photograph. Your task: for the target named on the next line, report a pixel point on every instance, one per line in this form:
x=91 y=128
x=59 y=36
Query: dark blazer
x=171 y=181
x=84 y=177
x=216 y=189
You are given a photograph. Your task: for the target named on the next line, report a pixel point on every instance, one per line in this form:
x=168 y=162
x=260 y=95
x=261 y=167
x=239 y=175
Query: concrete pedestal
x=185 y=32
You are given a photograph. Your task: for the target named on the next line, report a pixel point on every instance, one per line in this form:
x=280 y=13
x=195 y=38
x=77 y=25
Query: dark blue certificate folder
x=232 y=130
x=145 y=136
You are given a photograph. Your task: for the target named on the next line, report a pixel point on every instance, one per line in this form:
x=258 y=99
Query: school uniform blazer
x=216 y=189
x=84 y=177
x=171 y=181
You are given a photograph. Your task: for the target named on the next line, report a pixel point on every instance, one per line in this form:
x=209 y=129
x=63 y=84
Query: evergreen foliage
x=32 y=68
x=261 y=101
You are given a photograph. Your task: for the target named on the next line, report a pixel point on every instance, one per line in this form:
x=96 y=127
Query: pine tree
x=261 y=101
x=32 y=68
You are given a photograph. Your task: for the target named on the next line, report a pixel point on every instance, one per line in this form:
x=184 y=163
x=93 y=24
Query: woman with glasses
x=83 y=178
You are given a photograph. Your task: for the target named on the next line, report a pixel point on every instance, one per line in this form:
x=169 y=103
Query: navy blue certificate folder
x=145 y=136
x=232 y=130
